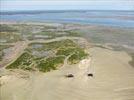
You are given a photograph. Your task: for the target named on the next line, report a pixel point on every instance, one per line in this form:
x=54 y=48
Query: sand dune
x=113 y=80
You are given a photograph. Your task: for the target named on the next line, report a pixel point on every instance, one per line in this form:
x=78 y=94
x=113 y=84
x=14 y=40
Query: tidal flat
x=42 y=54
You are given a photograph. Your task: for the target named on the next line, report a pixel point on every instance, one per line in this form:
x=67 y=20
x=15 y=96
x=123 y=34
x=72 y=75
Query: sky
x=17 y=5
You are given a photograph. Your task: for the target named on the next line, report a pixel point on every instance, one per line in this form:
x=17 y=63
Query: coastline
x=113 y=75
x=74 y=26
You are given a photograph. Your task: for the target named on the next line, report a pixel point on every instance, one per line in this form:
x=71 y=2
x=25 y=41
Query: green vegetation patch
x=50 y=63
x=66 y=51
x=73 y=33
x=48 y=33
x=7 y=28
x=75 y=51
x=22 y=62
x=61 y=50
x=77 y=56
x=10 y=36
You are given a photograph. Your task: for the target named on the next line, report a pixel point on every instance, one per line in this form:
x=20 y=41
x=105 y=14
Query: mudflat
x=110 y=62
x=113 y=80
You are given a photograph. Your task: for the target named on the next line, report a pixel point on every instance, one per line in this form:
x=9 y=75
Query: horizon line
x=66 y=10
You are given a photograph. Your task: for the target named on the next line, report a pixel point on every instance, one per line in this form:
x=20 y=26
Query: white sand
x=113 y=80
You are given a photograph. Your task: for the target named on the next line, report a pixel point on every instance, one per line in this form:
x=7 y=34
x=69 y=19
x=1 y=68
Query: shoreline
x=106 y=83
x=75 y=26
x=63 y=23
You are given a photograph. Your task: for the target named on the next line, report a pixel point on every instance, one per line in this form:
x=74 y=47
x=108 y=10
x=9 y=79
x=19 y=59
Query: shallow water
x=35 y=46
x=108 y=18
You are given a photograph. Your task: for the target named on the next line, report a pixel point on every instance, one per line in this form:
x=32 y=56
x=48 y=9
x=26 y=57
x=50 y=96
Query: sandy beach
x=113 y=80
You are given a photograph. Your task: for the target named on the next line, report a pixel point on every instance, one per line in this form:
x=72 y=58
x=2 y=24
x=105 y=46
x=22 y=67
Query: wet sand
x=113 y=80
